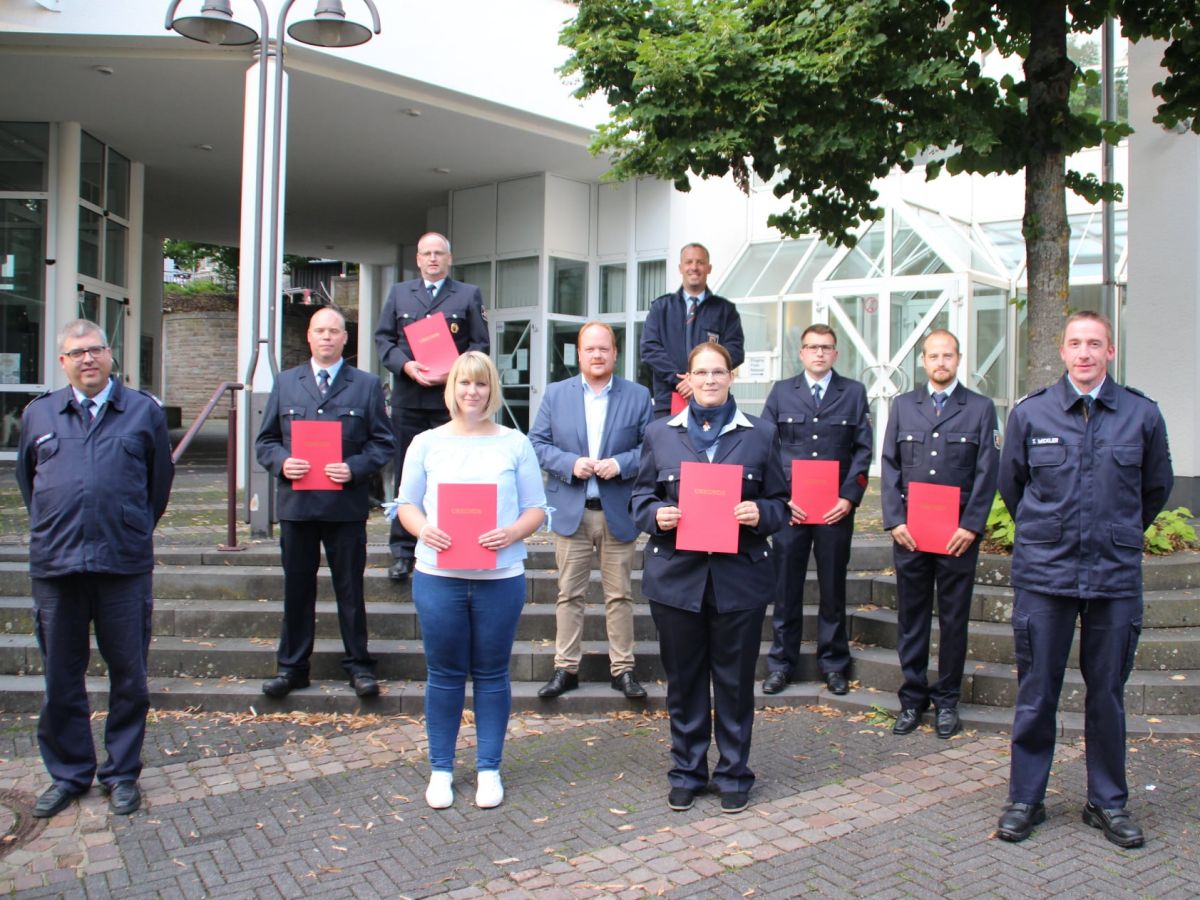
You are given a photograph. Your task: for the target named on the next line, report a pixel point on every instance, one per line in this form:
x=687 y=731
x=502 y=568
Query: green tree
x=823 y=97
x=189 y=254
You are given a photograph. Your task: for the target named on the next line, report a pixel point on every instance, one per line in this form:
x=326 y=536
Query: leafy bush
x=1170 y=531
x=1001 y=529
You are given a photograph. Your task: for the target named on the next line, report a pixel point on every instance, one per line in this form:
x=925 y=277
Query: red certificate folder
x=678 y=403
x=708 y=492
x=932 y=515
x=815 y=487
x=465 y=511
x=431 y=344
x=320 y=443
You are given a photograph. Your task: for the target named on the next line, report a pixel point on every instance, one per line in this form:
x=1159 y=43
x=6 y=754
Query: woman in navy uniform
x=709 y=607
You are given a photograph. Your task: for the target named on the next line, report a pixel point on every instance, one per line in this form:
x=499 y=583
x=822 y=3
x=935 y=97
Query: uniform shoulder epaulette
x=153 y=397
x=1134 y=390
x=1034 y=393
x=37 y=398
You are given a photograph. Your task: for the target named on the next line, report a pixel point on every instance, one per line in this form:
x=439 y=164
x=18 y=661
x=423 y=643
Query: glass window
x=866 y=259
x=863 y=312
x=517 y=282
x=745 y=273
x=568 y=287
x=797 y=316
x=562 y=353
x=612 y=289
x=115 y=239
x=779 y=270
x=91 y=171
x=22 y=291
x=803 y=282
x=512 y=359
x=11 y=406
x=478 y=274
x=24 y=156
x=117 y=191
x=641 y=372
x=760 y=324
x=910 y=254
x=89 y=307
x=652 y=282
x=114 y=324
x=988 y=353
x=90 y=224
x=908 y=309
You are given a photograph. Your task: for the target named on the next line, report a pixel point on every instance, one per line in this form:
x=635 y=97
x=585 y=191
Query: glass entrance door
x=879 y=324
x=514 y=358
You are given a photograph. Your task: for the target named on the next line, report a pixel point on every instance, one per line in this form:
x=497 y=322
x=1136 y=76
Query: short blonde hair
x=478 y=367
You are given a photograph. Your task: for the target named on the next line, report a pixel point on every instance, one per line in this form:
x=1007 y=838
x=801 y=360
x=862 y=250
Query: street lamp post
x=328 y=27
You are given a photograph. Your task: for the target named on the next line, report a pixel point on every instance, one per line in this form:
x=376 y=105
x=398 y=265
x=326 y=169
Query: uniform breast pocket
x=354 y=424
x=668 y=484
x=841 y=431
x=752 y=480
x=1128 y=468
x=912 y=447
x=1047 y=456
x=791 y=429
x=46 y=450
x=962 y=449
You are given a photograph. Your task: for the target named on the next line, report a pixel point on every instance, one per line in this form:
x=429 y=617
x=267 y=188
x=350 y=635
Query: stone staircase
x=217 y=619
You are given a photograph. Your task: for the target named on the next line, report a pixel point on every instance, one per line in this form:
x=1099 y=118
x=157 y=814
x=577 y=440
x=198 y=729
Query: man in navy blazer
x=819 y=415
x=940 y=433
x=588 y=437
x=678 y=322
x=324 y=389
x=418 y=401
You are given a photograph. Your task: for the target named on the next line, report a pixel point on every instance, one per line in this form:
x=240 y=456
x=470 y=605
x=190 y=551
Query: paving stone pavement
x=333 y=807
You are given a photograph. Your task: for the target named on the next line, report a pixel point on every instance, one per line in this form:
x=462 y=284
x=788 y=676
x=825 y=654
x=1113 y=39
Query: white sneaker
x=440 y=793
x=490 y=791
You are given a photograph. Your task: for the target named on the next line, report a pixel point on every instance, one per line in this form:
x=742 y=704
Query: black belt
x=592 y=503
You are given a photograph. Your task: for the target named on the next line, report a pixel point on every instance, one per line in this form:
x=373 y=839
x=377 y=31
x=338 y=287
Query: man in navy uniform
x=940 y=433
x=819 y=415
x=588 y=437
x=678 y=322
x=324 y=389
x=95 y=471
x=418 y=401
x=1084 y=471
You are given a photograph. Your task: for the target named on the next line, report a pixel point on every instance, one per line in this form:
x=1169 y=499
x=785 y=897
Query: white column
x=368 y=316
x=133 y=272
x=1162 y=321
x=65 y=216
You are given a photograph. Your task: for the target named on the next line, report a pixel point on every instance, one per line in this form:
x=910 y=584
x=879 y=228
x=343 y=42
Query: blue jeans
x=468 y=627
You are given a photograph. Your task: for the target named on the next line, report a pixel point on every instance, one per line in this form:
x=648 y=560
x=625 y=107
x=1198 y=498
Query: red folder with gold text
x=815 y=487
x=465 y=511
x=932 y=514
x=431 y=344
x=708 y=492
x=320 y=443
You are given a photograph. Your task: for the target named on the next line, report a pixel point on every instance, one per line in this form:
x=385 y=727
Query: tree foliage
x=823 y=97
x=189 y=254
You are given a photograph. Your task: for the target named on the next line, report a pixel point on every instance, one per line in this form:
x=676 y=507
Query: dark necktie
x=89 y=415
x=432 y=288
x=939 y=400
x=691 y=322
x=323 y=381
x=1087 y=399
x=816 y=395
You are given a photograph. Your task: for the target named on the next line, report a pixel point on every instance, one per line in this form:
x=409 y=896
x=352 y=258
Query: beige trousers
x=574 y=557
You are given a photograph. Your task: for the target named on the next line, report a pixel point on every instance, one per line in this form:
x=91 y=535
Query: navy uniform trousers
x=1043 y=629
x=119 y=607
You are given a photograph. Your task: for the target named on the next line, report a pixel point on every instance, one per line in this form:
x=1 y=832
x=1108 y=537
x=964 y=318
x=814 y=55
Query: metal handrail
x=230 y=456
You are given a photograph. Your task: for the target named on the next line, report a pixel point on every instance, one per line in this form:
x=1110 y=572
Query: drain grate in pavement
x=17 y=824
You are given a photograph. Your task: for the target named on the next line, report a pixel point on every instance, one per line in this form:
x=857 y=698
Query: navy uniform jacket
x=1083 y=492
x=840 y=429
x=355 y=399
x=664 y=338
x=959 y=448
x=408 y=301
x=559 y=437
x=742 y=580
x=94 y=495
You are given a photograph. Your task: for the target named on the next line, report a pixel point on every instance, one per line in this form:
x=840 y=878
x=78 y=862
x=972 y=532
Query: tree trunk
x=1048 y=73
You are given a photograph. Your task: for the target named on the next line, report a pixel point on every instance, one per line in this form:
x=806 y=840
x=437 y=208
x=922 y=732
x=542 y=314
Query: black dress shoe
x=54 y=800
x=1117 y=824
x=364 y=684
x=124 y=797
x=401 y=568
x=283 y=683
x=837 y=683
x=734 y=801
x=628 y=685
x=775 y=682
x=908 y=720
x=560 y=682
x=680 y=799
x=948 y=723
x=1018 y=819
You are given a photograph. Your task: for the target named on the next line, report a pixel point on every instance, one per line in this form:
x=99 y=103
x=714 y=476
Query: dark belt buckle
x=592 y=503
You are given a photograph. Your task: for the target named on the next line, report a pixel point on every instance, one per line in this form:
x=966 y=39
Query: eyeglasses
x=819 y=348
x=710 y=373
x=434 y=253
x=80 y=352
